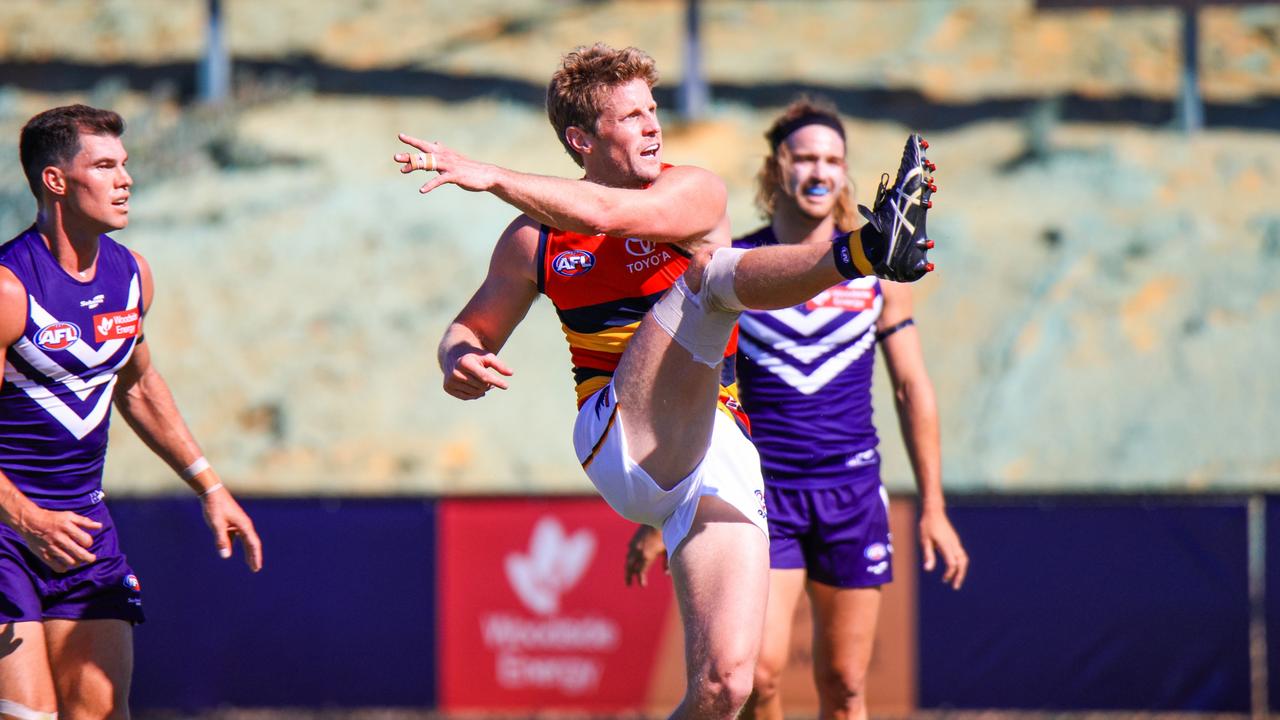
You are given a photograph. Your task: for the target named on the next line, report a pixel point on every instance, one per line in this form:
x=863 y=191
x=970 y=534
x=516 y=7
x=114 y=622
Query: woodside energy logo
x=550 y=650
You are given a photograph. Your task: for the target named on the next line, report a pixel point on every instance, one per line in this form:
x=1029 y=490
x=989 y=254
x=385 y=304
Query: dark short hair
x=53 y=137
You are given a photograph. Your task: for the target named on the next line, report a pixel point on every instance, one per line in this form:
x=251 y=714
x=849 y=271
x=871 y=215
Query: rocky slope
x=1104 y=316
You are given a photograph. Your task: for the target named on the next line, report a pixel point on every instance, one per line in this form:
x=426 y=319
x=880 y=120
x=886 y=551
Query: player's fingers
x=949 y=567
x=221 y=538
x=492 y=361
x=415 y=142
x=930 y=560
x=79 y=553
x=462 y=391
x=962 y=570
x=433 y=183
x=85 y=522
x=473 y=386
x=470 y=380
x=252 y=545
x=474 y=370
x=495 y=380
x=57 y=559
x=79 y=537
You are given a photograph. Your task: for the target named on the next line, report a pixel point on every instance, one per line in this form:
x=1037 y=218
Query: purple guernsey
x=805 y=379
x=55 y=403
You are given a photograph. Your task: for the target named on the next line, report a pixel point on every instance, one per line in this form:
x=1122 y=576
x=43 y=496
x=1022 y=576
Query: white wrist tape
x=211 y=489
x=195 y=468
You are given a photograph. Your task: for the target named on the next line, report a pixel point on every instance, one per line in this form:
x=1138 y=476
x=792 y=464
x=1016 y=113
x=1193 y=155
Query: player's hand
x=59 y=538
x=449 y=166
x=937 y=537
x=229 y=522
x=645 y=547
x=474 y=374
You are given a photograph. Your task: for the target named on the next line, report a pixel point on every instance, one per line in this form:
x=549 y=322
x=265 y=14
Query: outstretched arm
x=683 y=203
x=59 y=538
x=918 y=419
x=144 y=401
x=468 y=352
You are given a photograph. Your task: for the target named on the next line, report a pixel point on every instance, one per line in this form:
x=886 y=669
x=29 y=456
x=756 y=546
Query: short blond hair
x=769 y=178
x=575 y=96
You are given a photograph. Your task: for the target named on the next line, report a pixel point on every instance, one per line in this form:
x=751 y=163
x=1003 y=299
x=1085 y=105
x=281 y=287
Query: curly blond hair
x=769 y=177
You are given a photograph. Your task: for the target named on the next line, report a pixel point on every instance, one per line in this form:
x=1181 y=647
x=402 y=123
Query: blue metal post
x=1190 y=104
x=694 y=93
x=213 y=76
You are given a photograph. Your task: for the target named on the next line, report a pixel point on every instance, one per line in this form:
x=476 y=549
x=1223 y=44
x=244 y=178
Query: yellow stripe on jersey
x=588 y=387
x=612 y=339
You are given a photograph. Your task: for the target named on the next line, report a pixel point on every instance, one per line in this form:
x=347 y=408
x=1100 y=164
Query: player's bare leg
x=667 y=401
x=93 y=660
x=26 y=685
x=774 y=277
x=720 y=573
x=844 y=630
x=785 y=586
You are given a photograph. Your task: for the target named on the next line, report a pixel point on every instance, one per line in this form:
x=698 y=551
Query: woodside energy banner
x=534 y=614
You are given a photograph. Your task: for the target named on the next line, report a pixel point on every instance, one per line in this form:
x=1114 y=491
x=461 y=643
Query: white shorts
x=730 y=471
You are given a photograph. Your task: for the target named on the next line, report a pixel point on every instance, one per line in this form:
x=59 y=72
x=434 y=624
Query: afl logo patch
x=132 y=583
x=572 y=263
x=57 y=336
x=876 y=552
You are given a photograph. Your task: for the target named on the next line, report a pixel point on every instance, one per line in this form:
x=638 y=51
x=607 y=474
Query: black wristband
x=881 y=335
x=843 y=256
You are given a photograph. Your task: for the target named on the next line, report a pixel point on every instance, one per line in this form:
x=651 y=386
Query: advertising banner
x=534 y=612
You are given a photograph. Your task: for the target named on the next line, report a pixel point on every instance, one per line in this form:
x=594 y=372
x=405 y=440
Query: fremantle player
x=72 y=303
x=804 y=374
x=635 y=258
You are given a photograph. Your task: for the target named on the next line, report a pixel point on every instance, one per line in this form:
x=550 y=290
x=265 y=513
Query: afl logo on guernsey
x=572 y=263
x=876 y=552
x=57 y=336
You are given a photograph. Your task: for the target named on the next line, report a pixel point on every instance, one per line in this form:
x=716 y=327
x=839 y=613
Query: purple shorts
x=104 y=590
x=839 y=535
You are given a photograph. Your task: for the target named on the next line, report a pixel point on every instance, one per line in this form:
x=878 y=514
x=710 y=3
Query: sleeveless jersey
x=601 y=287
x=55 y=402
x=805 y=377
